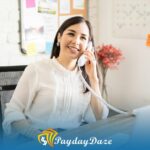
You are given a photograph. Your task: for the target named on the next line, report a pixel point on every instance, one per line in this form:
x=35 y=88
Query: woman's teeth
x=73 y=48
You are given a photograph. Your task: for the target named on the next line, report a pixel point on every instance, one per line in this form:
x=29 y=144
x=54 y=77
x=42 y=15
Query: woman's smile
x=74 y=49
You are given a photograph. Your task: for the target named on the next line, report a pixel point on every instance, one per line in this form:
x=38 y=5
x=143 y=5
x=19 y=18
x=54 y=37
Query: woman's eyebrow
x=71 y=30
x=75 y=32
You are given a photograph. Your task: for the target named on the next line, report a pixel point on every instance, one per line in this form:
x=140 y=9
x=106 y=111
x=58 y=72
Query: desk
x=102 y=128
x=117 y=129
x=120 y=128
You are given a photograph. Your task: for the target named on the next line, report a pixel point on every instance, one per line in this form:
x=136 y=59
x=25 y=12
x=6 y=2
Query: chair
x=9 y=76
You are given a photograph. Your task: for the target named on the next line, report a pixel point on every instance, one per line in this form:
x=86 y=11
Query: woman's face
x=74 y=41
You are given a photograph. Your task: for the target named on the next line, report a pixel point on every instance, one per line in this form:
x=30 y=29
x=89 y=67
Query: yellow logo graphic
x=47 y=137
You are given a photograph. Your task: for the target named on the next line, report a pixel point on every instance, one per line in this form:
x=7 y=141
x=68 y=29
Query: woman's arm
x=24 y=128
x=100 y=110
x=21 y=99
x=95 y=104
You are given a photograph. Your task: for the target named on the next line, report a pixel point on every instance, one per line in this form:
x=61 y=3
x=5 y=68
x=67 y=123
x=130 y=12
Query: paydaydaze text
x=84 y=142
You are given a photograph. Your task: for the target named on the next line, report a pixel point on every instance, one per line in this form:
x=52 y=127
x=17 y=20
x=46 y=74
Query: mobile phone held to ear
x=82 y=59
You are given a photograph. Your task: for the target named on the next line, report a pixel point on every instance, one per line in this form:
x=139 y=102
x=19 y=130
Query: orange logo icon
x=47 y=137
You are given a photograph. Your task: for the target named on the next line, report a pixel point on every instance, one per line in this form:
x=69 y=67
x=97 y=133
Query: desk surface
x=117 y=124
x=102 y=128
x=126 y=131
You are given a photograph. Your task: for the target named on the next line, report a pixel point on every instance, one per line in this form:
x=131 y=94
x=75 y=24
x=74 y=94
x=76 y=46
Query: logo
x=50 y=137
x=47 y=137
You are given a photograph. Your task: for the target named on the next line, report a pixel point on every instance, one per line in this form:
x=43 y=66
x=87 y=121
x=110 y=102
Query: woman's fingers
x=90 y=55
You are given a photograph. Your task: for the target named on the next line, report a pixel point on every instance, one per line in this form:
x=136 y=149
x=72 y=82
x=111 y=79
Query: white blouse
x=50 y=96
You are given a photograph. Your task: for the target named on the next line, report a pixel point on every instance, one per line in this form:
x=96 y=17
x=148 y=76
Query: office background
x=128 y=86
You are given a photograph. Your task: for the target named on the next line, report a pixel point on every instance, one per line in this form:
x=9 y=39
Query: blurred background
x=27 y=29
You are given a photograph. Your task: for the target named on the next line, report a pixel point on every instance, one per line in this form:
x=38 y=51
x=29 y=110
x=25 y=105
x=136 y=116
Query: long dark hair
x=69 y=22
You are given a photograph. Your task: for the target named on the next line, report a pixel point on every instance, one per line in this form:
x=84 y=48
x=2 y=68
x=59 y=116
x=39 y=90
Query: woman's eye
x=84 y=38
x=71 y=34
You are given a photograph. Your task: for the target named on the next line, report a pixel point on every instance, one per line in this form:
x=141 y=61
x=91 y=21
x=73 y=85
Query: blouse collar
x=62 y=68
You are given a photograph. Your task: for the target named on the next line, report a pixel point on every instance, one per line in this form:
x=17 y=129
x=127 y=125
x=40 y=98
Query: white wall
x=128 y=87
x=93 y=17
x=9 y=36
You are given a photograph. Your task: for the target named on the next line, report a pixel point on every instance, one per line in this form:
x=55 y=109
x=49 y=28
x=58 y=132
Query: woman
x=50 y=93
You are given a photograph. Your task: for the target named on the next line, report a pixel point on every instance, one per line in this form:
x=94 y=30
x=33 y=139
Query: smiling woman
x=73 y=43
x=50 y=93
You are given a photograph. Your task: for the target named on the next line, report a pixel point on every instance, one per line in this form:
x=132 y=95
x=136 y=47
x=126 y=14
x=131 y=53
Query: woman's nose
x=76 y=40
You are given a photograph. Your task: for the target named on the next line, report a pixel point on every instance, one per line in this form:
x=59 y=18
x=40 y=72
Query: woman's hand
x=90 y=65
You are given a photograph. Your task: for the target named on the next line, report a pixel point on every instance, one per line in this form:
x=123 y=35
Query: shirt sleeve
x=21 y=99
x=89 y=114
x=105 y=111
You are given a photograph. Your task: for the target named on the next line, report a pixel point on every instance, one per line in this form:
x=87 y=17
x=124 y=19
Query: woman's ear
x=58 y=38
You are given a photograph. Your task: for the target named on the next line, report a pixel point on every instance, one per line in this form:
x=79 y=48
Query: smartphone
x=82 y=59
